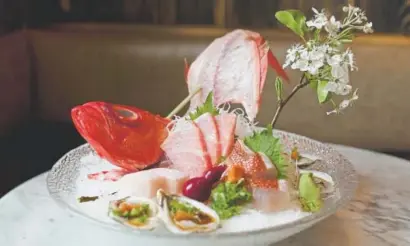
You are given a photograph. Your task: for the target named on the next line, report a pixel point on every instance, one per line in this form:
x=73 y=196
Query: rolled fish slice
x=147 y=183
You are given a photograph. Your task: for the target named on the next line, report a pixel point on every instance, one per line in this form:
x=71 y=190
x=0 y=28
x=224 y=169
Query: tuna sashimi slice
x=146 y=183
x=185 y=147
x=227 y=124
x=209 y=127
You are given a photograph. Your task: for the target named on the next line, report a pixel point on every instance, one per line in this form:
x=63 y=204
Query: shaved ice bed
x=247 y=221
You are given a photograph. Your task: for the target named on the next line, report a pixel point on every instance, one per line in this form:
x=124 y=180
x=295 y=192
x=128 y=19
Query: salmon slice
x=208 y=125
x=185 y=148
x=227 y=124
x=234 y=67
x=146 y=183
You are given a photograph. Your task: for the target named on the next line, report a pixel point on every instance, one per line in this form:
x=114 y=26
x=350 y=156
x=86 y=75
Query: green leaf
x=295 y=20
x=265 y=142
x=228 y=199
x=279 y=87
x=207 y=107
x=309 y=193
x=322 y=94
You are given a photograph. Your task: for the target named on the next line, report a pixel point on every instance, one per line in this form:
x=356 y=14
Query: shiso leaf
x=309 y=193
x=207 y=107
x=265 y=142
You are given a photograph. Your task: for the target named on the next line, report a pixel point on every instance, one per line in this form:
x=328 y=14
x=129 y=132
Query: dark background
x=387 y=15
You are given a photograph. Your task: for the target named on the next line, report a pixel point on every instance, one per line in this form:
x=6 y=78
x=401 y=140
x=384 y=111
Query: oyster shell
x=324 y=180
x=136 y=212
x=183 y=215
x=306 y=160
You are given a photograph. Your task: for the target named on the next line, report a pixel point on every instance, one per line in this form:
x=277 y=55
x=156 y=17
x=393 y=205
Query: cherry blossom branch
x=282 y=102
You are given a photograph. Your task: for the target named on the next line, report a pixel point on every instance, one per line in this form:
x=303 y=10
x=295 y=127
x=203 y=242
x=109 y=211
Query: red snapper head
x=126 y=136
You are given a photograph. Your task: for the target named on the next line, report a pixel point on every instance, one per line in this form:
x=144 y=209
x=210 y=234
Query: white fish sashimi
x=147 y=183
x=234 y=68
x=226 y=123
x=209 y=127
x=185 y=147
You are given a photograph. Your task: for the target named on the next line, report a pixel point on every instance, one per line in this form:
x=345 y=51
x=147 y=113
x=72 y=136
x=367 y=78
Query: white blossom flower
x=333 y=26
x=351 y=9
x=292 y=54
x=319 y=20
x=310 y=61
x=348 y=57
x=368 y=28
x=344 y=104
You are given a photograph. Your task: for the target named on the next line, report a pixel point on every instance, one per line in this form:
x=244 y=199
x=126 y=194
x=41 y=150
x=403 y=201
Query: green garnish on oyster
x=309 y=193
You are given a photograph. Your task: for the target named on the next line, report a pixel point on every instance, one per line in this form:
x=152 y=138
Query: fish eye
x=125 y=113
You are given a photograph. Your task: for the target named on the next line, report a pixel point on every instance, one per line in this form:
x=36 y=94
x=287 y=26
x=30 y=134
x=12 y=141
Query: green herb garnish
x=207 y=107
x=309 y=193
x=175 y=206
x=139 y=213
x=265 y=142
x=227 y=199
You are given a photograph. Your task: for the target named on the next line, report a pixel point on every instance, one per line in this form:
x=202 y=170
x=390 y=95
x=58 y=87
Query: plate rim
x=306 y=221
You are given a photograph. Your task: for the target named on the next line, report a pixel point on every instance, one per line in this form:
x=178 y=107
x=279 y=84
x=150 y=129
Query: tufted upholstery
x=143 y=66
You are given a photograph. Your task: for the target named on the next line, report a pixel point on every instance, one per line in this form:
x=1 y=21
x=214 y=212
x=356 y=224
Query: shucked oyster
x=323 y=180
x=183 y=215
x=136 y=212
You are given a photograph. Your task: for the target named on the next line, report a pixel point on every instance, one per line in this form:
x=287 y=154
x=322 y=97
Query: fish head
x=126 y=136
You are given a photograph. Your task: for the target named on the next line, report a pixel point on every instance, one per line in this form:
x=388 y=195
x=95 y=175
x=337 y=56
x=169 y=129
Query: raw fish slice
x=242 y=83
x=112 y=175
x=260 y=171
x=251 y=162
x=233 y=67
x=226 y=123
x=199 y=76
x=274 y=200
x=186 y=149
x=208 y=125
x=147 y=183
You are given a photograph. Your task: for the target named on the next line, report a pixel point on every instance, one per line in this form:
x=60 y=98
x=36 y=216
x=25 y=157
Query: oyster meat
x=183 y=215
x=324 y=180
x=136 y=212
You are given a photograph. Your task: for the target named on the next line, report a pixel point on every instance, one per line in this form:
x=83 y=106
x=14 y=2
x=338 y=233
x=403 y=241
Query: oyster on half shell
x=324 y=180
x=136 y=212
x=183 y=215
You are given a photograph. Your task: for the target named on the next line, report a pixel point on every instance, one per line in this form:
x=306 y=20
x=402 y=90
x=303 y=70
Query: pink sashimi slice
x=185 y=148
x=227 y=124
x=147 y=183
x=209 y=127
x=200 y=74
x=234 y=68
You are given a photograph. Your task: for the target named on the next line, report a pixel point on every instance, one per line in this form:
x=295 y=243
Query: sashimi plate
x=67 y=181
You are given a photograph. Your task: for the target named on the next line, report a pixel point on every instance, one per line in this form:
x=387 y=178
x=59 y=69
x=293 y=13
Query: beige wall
x=144 y=67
